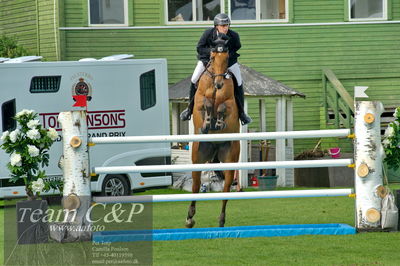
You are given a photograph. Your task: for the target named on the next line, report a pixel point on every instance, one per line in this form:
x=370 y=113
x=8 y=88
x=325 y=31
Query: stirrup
x=186 y=114
x=245 y=119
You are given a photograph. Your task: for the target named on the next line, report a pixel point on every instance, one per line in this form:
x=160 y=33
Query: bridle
x=212 y=75
x=219 y=49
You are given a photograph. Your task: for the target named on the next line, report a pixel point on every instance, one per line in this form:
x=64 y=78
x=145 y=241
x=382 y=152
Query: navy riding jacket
x=206 y=43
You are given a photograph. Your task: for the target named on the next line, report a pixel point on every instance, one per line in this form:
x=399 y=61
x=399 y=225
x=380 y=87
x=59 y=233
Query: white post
x=280 y=143
x=191 y=132
x=76 y=191
x=175 y=119
x=368 y=162
x=290 y=147
x=263 y=120
x=244 y=157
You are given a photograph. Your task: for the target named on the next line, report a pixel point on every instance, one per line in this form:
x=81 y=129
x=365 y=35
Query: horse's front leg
x=207 y=115
x=221 y=112
x=192 y=208
x=229 y=174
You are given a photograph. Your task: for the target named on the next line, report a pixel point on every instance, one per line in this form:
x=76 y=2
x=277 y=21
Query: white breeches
x=200 y=69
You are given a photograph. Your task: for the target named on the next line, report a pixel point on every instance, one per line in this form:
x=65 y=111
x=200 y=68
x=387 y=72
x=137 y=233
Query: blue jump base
x=223 y=232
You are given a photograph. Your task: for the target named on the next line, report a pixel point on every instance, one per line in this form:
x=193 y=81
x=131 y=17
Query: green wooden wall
x=148 y=12
x=48 y=29
x=34 y=24
x=311 y=11
x=17 y=18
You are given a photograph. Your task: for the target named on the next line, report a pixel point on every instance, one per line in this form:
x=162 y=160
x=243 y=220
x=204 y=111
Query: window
x=368 y=9
x=8 y=111
x=108 y=12
x=148 y=89
x=184 y=11
x=154 y=161
x=259 y=10
x=45 y=84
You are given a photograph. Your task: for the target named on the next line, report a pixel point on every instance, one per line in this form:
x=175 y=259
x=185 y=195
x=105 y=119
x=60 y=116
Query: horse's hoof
x=190 y=223
x=220 y=127
x=222 y=220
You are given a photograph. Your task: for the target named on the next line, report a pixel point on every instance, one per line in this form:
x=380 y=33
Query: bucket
x=254 y=181
x=334 y=152
x=267 y=182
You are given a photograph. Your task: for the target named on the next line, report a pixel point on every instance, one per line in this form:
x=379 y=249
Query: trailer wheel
x=115 y=185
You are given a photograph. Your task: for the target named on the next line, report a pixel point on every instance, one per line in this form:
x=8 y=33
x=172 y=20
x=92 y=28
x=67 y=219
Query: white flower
x=33 y=134
x=397 y=113
x=52 y=133
x=14 y=135
x=33 y=151
x=386 y=142
x=16 y=159
x=5 y=135
x=33 y=124
x=389 y=132
x=24 y=112
x=38 y=185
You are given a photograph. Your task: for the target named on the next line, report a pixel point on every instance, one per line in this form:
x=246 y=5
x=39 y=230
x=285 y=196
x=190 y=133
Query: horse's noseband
x=226 y=75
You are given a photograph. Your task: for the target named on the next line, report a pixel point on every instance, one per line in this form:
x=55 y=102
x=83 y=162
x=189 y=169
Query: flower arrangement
x=28 y=147
x=391 y=142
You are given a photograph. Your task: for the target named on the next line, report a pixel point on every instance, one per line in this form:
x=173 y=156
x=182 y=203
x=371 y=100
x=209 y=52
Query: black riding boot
x=187 y=113
x=239 y=95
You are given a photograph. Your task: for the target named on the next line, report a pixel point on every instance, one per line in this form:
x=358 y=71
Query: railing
x=337 y=99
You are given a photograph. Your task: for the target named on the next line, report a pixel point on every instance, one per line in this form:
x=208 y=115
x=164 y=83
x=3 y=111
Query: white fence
x=224 y=137
x=229 y=196
x=222 y=166
x=368 y=164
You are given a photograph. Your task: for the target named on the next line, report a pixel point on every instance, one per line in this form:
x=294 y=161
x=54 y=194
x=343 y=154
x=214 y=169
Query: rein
x=213 y=75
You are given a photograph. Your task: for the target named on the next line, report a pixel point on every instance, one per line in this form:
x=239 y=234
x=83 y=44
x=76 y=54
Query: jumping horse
x=215 y=111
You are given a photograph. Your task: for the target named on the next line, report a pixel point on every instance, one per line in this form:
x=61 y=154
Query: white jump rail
x=222 y=166
x=224 y=137
x=227 y=196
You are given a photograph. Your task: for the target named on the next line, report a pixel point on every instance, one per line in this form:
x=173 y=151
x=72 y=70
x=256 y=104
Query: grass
x=1 y=234
x=359 y=249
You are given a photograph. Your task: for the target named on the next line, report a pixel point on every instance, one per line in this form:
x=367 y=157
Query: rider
x=221 y=26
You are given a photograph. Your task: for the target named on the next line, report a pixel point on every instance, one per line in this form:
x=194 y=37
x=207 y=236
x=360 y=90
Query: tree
x=10 y=48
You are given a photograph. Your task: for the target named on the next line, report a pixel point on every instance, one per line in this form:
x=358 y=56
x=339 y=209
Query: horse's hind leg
x=228 y=153
x=192 y=208
x=201 y=152
x=227 y=187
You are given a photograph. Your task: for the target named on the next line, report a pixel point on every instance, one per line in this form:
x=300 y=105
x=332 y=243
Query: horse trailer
x=125 y=98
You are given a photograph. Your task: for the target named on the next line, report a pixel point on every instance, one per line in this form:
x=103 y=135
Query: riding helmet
x=221 y=19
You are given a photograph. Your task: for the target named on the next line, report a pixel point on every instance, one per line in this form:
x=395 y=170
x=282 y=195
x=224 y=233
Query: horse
x=215 y=111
